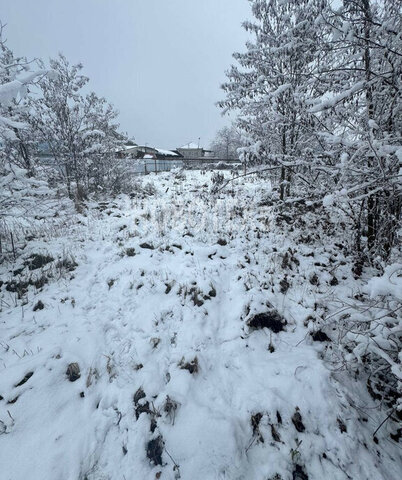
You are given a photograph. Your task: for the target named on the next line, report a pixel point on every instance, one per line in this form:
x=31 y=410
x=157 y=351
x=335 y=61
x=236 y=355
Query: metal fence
x=148 y=165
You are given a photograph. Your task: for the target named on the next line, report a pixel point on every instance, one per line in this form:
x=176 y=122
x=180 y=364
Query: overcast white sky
x=160 y=62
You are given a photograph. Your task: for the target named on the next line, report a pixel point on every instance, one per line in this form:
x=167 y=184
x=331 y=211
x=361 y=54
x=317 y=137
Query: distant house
x=167 y=154
x=143 y=151
x=193 y=150
x=126 y=151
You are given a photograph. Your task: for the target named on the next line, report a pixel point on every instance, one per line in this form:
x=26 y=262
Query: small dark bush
x=192 y=366
x=73 y=372
x=270 y=319
x=39 y=306
x=38 y=261
x=155 y=450
x=297 y=421
x=320 y=336
x=285 y=285
x=147 y=246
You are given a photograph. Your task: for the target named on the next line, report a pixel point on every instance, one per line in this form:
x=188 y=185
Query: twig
x=177 y=466
x=382 y=423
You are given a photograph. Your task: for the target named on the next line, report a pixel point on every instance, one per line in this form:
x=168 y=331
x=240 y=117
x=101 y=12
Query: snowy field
x=136 y=350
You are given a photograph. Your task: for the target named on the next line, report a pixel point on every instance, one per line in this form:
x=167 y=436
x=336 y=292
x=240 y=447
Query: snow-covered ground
x=154 y=300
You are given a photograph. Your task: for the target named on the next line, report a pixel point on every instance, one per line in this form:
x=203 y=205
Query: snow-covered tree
x=269 y=87
x=19 y=191
x=79 y=130
x=16 y=77
x=357 y=102
x=319 y=90
x=226 y=143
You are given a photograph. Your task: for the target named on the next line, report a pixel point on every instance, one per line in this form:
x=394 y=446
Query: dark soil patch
x=17 y=287
x=138 y=395
x=285 y=285
x=153 y=425
x=275 y=434
x=39 y=282
x=320 y=336
x=283 y=218
x=342 y=426
x=396 y=436
x=39 y=306
x=38 y=261
x=73 y=372
x=66 y=264
x=148 y=246
x=155 y=450
x=299 y=474
x=270 y=319
x=142 y=407
x=298 y=422
x=334 y=281
x=212 y=292
x=21 y=287
x=192 y=366
x=255 y=422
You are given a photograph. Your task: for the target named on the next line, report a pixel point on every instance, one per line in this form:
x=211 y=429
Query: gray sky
x=160 y=62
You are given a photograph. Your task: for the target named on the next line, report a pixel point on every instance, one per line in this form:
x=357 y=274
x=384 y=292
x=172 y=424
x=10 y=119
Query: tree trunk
x=283 y=168
x=371 y=202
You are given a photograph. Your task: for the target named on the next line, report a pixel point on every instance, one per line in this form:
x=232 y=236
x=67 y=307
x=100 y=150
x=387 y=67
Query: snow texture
x=155 y=316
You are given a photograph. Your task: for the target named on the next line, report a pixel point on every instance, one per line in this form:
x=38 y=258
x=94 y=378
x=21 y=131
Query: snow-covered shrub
x=217 y=180
x=370 y=337
x=329 y=124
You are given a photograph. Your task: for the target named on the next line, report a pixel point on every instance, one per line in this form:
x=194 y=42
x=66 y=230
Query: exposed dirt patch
x=270 y=319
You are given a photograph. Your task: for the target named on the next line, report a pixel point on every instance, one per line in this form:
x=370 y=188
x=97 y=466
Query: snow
x=190 y=146
x=10 y=90
x=91 y=133
x=167 y=152
x=11 y=123
x=390 y=283
x=130 y=321
x=330 y=99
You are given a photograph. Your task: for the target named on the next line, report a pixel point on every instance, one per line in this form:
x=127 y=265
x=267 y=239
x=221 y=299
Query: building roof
x=190 y=146
x=167 y=153
x=125 y=148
